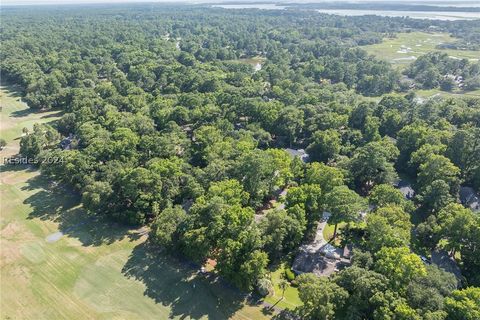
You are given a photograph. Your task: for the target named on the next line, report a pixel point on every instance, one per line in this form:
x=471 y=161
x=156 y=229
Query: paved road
x=319 y=241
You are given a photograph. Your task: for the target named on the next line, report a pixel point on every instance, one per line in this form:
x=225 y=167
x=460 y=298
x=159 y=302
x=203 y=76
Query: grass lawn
x=438 y=92
x=328 y=231
x=291 y=299
x=400 y=50
x=255 y=62
x=58 y=262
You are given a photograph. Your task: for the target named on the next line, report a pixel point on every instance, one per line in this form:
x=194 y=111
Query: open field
x=431 y=93
x=58 y=262
x=255 y=62
x=406 y=47
x=438 y=92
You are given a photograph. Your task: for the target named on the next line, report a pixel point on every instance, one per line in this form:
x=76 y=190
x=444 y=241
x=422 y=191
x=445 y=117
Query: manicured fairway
x=438 y=92
x=405 y=47
x=57 y=262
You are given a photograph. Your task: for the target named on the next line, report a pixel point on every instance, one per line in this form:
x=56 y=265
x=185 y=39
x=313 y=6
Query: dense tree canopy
x=194 y=121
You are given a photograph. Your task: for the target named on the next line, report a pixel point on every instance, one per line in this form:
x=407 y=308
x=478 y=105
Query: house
x=469 y=198
x=444 y=261
x=187 y=204
x=321 y=261
x=65 y=144
x=347 y=251
x=325 y=216
x=405 y=188
x=298 y=153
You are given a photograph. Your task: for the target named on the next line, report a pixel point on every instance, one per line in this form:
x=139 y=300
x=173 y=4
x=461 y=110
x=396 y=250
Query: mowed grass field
x=405 y=47
x=57 y=262
x=438 y=92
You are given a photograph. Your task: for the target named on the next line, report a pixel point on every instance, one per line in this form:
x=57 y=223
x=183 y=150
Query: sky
x=26 y=2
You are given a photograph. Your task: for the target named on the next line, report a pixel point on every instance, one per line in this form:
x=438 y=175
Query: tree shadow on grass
x=12 y=90
x=169 y=281
x=6 y=168
x=23 y=113
x=29 y=111
x=62 y=205
x=53 y=115
x=178 y=285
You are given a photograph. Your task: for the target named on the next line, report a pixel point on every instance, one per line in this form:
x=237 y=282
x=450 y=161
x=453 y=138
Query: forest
x=166 y=124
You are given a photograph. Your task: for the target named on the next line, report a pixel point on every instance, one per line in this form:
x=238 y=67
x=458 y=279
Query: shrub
x=264 y=287
x=289 y=275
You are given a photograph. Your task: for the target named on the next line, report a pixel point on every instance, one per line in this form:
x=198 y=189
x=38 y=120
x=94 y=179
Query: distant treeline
x=383 y=6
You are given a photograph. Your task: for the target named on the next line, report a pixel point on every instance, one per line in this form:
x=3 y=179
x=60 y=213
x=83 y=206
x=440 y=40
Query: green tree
x=258 y=174
x=325 y=145
x=283 y=285
x=373 y=164
x=320 y=297
x=385 y=194
x=164 y=228
x=241 y=261
x=30 y=146
x=460 y=227
x=463 y=304
x=464 y=150
x=138 y=193
x=410 y=138
x=423 y=153
x=282 y=162
x=309 y=197
x=426 y=293
x=344 y=204
x=435 y=196
x=438 y=167
x=290 y=123
x=281 y=233
x=231 y=191
x=399 y=266
x=388 y=227
x=325 y=176
x=362 y=285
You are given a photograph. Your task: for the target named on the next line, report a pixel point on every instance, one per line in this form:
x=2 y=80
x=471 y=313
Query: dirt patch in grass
x=21 y=274
x=11 y=230
x=10 y=253
x=16 y=231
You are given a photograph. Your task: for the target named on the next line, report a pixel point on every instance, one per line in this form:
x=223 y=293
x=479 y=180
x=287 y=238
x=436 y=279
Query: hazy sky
x=203 y=1
x=78 y=1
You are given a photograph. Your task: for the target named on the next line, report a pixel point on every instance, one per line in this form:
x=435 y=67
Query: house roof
x=317 y=263
x=347 y=251
x=470 y=198
x=298 y=153
x=445 y=262
x=405 y=188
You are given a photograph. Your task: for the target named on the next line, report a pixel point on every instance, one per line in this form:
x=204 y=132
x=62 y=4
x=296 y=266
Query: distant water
x=265 y=6
x=432 y=15
x=448 y=3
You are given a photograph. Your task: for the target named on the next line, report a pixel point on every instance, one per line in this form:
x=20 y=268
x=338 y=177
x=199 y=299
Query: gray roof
x=298 y=153
x=470 y=198
x=405 y=188
x=318 y=263
x=445 y=262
